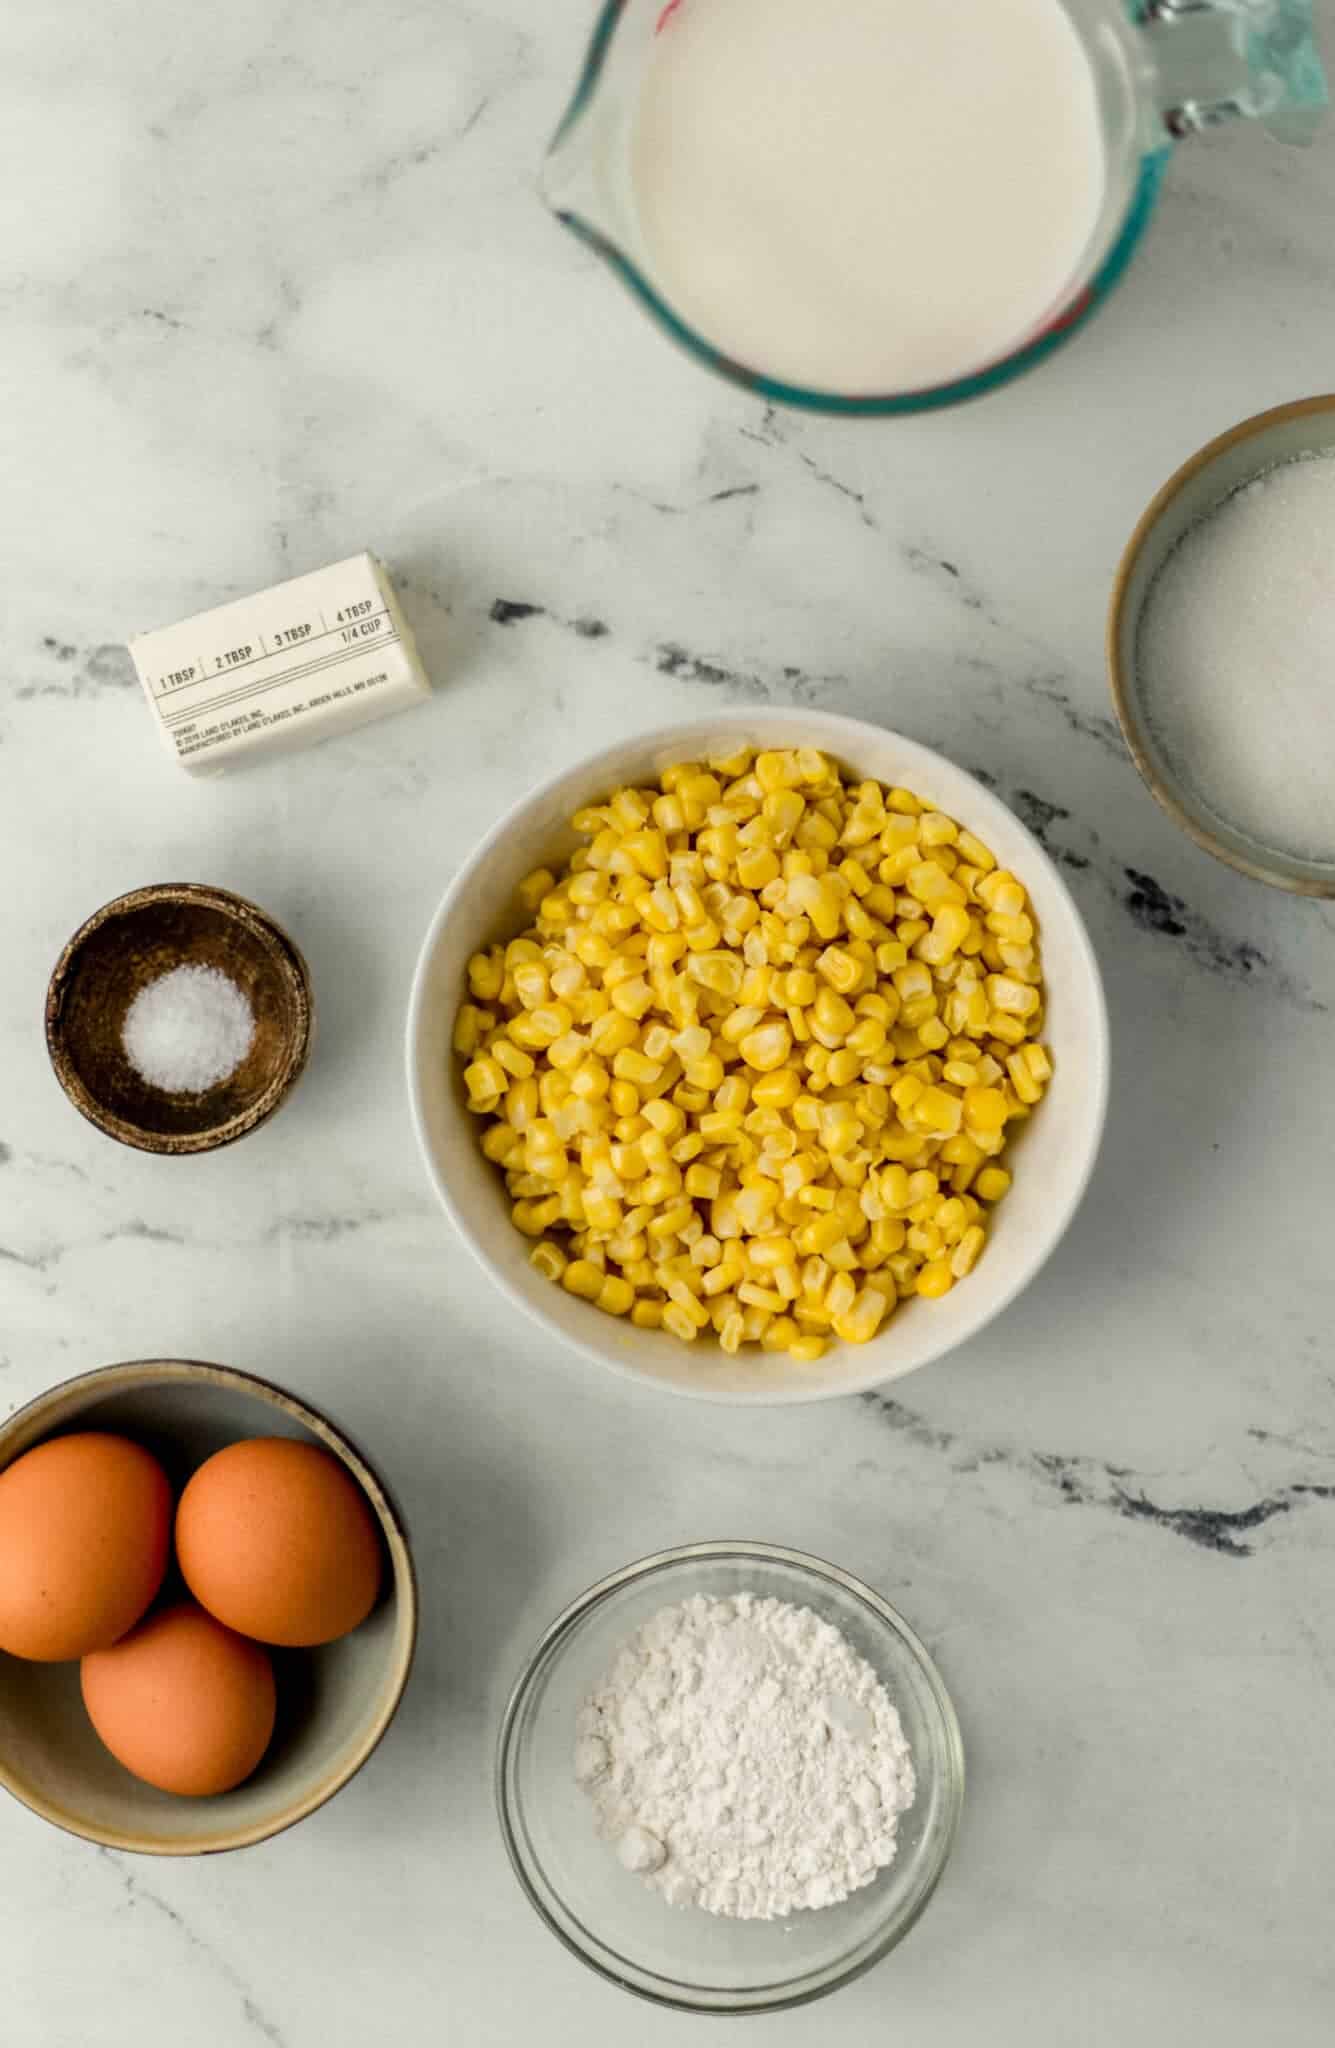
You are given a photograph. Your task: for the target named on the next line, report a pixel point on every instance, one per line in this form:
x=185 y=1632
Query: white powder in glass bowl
x=742 y=1757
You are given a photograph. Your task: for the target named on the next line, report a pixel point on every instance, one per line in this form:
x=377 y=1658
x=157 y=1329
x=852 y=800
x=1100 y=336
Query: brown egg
x=183 y=1703
x=276 y=1539
x=85 y=1523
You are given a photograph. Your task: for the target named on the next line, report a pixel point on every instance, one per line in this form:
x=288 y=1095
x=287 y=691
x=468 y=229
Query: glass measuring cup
x=1162 y=70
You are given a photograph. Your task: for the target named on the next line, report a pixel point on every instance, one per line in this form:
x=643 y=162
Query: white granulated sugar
x=741 y=1756
x=1236 y=653
x=188 y=1030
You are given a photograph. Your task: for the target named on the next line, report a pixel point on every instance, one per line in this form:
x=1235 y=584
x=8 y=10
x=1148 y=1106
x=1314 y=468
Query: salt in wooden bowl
x=129 y=944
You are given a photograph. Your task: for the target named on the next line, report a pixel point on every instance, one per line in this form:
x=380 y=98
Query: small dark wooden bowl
x=133 y=941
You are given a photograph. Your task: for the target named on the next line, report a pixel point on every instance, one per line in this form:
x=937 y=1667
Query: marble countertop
x=277 y=287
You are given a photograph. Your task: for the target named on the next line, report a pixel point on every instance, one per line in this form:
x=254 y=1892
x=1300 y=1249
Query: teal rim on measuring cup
x=1162 y=70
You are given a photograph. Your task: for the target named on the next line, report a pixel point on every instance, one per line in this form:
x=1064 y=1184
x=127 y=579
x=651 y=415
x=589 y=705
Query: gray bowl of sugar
x=179 y=1018
x=1221 y=638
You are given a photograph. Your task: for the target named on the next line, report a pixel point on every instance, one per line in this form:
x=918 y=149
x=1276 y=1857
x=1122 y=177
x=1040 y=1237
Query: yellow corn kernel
x=687 y=1302
x=778 y=1090
x=515 y=1062
x=935 y=1279
x=589 y=1081
x=831 y=1018
x=670 y=1221
x=632 y=1065
x=974 y=851
x=984 y=1109
x=731 y=1333
x=859 y=1323
x=703 y=1182
x=602 y=1212
x=623 y=1097
x=680 y=1324
x=761 y=1297
x=965 y=1255
x=815 y=898
x=960 y=1073
x=840 y=1128
x=757 y=866
x=1022 y=1081
x=470 y=1028
x=840 y=1295
x=839 y=969
x=548 y=1259
x=1012 y=998
x=742 y=1020
x=501 y=1143
x=721 y=973
x=1038 y=1060
x=486 y=973
x=633 y=997
x=611 y=1033
x=628 y=1162
x=647 y=1315
x=667 y=1118
x=929 y=884
x=583 y=1278
x=950 y=928
x=938 y=1111
x=485 y=1082
x=616 y=1297
x=767 y=1048
x=1010 y=1031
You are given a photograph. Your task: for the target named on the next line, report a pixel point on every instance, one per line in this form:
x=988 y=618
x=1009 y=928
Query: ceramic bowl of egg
x=207 y=1608
x=729 y=1778
x=179 y=1018
x=761 y=1058
x=1219 y=641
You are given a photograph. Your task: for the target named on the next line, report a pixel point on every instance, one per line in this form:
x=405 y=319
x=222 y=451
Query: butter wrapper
x=310 y=658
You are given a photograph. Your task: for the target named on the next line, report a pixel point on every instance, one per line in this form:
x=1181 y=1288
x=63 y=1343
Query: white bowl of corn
x=762 y=1057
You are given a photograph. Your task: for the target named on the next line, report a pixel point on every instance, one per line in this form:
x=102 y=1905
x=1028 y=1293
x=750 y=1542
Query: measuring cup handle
x=1215 y=60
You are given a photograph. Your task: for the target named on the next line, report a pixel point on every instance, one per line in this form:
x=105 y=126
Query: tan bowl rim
x=393 y=1526
x=242 y=911
x=1122 y=694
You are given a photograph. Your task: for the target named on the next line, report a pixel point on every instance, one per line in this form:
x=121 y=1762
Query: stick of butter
x=289 y=666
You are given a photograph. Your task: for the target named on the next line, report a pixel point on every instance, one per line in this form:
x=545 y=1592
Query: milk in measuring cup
x=866 y=196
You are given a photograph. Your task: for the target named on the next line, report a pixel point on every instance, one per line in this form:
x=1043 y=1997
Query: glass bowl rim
x=876 y=1948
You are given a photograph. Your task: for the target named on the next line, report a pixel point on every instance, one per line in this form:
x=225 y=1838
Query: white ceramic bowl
x=1054 y=1155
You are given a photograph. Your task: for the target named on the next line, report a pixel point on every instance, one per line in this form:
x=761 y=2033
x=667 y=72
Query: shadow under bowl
x=134 y=941
x=334 y=1703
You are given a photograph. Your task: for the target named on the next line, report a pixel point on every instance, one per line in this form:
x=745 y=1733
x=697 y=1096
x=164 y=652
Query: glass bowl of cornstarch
x=729 y=1778
x=1221 y=647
